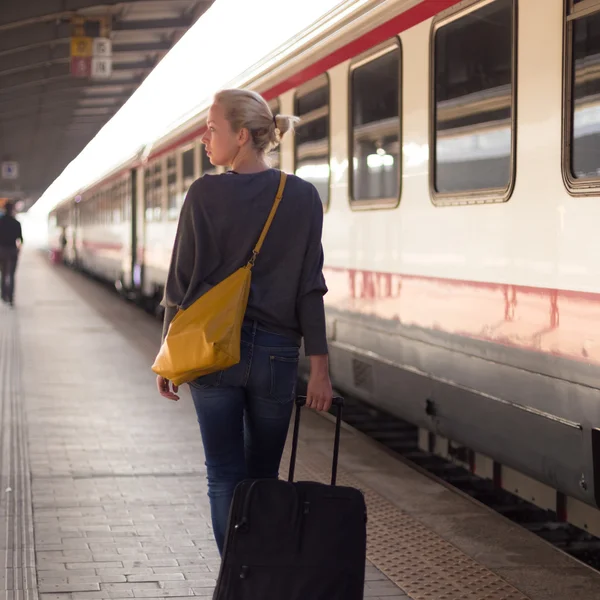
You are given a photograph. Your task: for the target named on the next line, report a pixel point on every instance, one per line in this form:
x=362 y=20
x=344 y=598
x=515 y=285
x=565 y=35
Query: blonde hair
x=246 y=109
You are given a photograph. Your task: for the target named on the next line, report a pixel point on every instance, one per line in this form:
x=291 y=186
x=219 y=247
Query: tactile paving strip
x=416 y=559
x=18 y=577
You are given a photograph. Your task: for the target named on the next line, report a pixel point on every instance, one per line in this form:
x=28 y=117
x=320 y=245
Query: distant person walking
x=11 y=238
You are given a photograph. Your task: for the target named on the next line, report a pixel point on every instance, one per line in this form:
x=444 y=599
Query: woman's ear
x=243 y=136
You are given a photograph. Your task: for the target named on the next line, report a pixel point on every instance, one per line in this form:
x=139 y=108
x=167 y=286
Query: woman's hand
x=319 y=394
x=164 y=390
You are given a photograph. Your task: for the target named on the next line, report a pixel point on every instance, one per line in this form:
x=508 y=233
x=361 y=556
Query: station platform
x=103 y=490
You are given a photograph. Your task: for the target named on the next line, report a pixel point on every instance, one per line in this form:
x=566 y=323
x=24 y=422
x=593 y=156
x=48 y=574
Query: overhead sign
x=10 y=170
x=101 y=47
x=91 y=57
x=81 y=66
x=81 y=56
x=82 y=47
x=102 y=58
x=101 y=68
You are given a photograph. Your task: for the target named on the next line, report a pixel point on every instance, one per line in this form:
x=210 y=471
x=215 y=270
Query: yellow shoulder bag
x=206 y=337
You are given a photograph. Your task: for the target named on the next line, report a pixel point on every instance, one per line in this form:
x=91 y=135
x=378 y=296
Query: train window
x=110 y=204
x=187 y=158
x=124 y=200
x=98 y=212
x=116 y=202
x=375 y=128
x=148 y=194
x=188 y=169
x=172 y=195
x=581 y=162
x=473 y=103
x=127 y=199
x=121 y=201
x=106 y=208
x=275 y=155
x=158 y=190
x=312 y=135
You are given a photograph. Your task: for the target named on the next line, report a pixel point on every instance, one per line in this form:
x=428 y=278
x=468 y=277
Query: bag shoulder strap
x=267 y=226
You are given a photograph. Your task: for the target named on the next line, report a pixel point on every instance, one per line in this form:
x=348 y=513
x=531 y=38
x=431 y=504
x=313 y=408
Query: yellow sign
x=81 y=47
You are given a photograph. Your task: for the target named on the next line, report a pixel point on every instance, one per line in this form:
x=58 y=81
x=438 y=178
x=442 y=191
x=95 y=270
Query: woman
x=244 y=411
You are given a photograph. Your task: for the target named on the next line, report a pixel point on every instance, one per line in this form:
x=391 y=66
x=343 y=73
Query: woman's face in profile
x=221 y=143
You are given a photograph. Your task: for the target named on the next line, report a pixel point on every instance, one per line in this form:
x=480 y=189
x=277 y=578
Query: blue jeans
x=244 y=414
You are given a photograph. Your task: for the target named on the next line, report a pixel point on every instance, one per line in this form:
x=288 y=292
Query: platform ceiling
x=47 y=115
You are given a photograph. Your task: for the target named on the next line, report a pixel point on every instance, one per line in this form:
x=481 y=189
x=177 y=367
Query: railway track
x=401 y=438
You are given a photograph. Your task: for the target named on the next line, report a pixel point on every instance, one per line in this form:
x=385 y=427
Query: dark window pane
x=585 y=148
x=148 y=194
x=124 y=199
x=172 y=187
x=376 y=128
x=312 y=100
x=473 y=100
x=115 y=204
x=188 y=163
x=158 y=190
x=188 y=168
x=312 y=139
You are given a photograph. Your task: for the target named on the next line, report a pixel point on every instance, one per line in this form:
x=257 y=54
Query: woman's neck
x=251 y=163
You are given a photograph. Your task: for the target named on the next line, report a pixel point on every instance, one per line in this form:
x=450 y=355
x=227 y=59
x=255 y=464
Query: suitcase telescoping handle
x=338 y=402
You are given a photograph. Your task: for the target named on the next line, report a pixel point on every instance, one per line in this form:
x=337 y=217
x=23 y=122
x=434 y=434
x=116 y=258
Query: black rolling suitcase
x=291 y=540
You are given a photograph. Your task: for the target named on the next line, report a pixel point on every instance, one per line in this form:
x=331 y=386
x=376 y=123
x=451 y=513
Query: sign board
x=102 y=47
x=91 y=54
x=81 y=47
x=101 y=68
x=10 y=170
x=81 y=66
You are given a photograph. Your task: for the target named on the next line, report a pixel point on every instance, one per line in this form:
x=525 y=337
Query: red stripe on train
x=413 y=16
x=91 y=245
x=558 y=322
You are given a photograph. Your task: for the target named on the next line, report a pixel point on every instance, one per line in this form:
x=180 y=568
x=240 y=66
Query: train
x=456 y=149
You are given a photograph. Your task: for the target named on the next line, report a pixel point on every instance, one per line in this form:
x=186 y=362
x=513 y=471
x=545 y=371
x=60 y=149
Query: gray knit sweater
x=221 y=219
